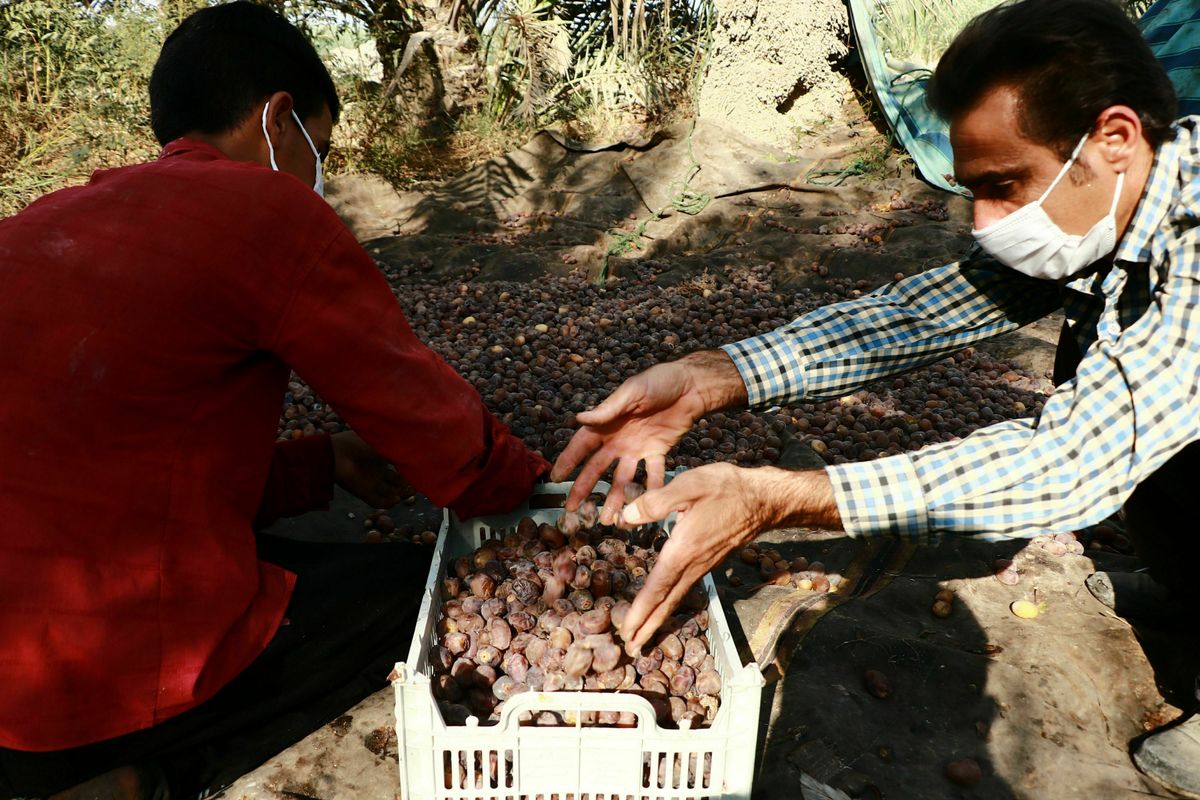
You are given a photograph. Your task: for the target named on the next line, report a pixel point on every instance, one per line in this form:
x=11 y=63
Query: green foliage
x=590 y=66
x=1135 y=8
x=74 y=78
x=73 y=93
x=528 y=53
x=543 y=62
x=376 y=137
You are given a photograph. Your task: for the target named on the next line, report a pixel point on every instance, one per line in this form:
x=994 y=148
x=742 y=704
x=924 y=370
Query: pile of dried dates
x=538 y=609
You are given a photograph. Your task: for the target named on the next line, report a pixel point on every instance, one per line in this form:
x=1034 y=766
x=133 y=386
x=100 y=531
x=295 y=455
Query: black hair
x=221 y=61
x=1068 y=60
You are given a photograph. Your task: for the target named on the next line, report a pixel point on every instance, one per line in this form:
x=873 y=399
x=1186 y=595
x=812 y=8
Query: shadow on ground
x=1046 y=707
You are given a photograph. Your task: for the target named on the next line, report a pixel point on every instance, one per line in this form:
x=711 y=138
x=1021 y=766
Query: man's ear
x=278 y=119
x=1118 y=135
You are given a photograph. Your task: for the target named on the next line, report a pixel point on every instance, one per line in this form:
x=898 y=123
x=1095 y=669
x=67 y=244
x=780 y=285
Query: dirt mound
x=691 y=198
x=770 y=67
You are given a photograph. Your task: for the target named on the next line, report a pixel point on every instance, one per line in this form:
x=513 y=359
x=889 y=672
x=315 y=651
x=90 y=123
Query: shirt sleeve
x=837 y=348
x=1132 y=405
x=345 y=334
x=300 y=480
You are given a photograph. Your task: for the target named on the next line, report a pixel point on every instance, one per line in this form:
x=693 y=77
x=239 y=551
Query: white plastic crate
x=511 y=761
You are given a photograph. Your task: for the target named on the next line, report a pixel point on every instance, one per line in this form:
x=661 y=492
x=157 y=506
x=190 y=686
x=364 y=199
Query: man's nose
x=986 y=213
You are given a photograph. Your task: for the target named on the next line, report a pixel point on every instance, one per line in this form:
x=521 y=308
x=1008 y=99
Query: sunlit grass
x=919 y=31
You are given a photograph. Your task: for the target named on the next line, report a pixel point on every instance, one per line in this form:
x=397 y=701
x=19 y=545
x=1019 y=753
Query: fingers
x=616 y=404
x=660 y=612
x=626 y=469
x=656 y=504
x=656 y=471
x=582 y=444
x=636 y=630
x=596 y=466
x=667 y=583
x=387 y=492
x=665 y=588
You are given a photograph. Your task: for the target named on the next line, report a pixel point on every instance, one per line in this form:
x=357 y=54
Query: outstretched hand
x=641 y=421
x=358 y=469
x=718 y=508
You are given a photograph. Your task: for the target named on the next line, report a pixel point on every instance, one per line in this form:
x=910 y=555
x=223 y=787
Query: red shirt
x=148 y=322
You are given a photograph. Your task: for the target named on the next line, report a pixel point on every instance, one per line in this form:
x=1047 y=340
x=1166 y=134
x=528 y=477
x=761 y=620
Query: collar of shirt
x=185 y=145
x=1162 y=191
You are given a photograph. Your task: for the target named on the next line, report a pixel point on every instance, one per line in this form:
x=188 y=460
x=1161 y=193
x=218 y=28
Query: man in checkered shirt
x=1087 y=197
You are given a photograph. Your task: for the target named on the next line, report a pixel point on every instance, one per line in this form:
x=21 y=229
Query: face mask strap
x=319 y=181
x=270 y=147
x=1112 y=212
x=307 y=138
x=1065 y=168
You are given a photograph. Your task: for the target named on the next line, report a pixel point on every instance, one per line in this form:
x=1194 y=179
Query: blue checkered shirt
x=1132 y=405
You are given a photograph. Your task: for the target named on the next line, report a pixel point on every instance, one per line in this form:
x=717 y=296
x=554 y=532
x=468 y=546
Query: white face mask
x=319 y=182
x=1031 y=243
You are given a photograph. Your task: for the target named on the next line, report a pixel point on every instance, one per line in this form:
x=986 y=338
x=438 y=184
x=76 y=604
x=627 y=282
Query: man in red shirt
x=149 y=322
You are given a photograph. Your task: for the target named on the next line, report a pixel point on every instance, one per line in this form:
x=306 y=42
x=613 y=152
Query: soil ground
x=1048 y=707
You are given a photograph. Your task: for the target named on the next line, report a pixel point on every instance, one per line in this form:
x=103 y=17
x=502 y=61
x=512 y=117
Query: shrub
x=72 y=93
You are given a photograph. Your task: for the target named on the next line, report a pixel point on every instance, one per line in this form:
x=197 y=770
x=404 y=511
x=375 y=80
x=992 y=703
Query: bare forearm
x=721 y=507
x=643 y=419
x=798 y=499
x=716 y=380
x=791 y=498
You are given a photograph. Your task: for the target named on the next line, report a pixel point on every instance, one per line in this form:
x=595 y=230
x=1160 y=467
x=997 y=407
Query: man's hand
x=365 y=474
x=719 y=507
x=642 y=420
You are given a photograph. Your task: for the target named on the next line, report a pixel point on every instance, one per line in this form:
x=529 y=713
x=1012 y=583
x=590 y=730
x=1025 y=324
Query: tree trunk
x=391 y=27
x=441 y=72
x=625 y=27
